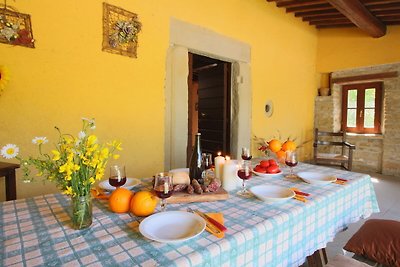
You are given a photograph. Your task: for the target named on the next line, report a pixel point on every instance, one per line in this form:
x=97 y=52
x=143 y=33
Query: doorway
x=185 y=38
x=209 y=104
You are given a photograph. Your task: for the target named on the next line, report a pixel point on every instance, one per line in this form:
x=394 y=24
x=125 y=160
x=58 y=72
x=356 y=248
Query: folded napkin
x=99 y=193
x=219 y=217
x=300 y=196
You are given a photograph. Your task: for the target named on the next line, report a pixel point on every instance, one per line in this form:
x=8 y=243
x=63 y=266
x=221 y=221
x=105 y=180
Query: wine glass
x=291 y=161
x=163 y=187
x=117 y=176
x=244 y=172
x=207 y=160
x=246 y=155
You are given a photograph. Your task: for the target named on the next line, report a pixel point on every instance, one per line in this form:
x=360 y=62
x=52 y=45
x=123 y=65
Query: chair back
x=332 y=155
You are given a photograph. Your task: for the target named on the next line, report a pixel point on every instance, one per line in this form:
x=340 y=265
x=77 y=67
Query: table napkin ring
x=219 y=217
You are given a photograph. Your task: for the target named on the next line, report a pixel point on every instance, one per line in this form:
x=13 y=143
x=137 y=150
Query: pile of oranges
x=278 y=148
x=142 y=203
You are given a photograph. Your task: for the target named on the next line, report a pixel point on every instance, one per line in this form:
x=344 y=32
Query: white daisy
x=9 y=151
x=81 y=134
x=40 y=140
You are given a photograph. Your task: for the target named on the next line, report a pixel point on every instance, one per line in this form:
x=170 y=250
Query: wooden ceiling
x=371 y=16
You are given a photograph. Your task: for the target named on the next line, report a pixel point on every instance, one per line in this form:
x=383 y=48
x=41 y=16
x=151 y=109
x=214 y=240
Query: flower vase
x=81 y=211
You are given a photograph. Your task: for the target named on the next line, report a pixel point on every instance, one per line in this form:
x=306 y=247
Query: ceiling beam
x=355 y=11
x=334 y=16
x=295 y=3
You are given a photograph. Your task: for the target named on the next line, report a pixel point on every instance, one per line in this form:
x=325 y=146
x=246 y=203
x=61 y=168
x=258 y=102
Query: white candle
x=229 y=180
x=219 y=165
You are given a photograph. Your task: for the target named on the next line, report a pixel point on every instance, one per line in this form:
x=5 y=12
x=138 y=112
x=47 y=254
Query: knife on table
x=213 y=221
x=209 y=225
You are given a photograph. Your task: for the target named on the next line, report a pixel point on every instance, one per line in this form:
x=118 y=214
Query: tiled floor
x=387 y=189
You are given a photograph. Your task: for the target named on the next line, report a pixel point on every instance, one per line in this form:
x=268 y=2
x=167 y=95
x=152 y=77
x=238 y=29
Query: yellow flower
x=116 y=156
x=4 y=77
x=92 y=180
x=115 y=144
x=92 y=139
x=104 y=153
x=63 y=168
x=68 y=191
x=56 y=154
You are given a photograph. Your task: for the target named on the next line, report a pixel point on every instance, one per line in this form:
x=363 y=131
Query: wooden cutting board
x=183 y=197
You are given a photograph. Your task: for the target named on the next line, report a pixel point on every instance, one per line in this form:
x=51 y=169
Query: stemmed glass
x=291 y=161
x=117 y=176
x=244 y=172
x=207 y=160
x=246 y=155
x=163 y=187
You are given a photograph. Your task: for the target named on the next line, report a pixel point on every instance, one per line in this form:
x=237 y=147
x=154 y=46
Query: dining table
x=37 y=231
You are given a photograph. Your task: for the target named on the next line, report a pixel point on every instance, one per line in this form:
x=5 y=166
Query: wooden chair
x=332 y=149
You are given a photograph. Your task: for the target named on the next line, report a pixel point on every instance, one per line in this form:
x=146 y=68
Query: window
x=361 y=107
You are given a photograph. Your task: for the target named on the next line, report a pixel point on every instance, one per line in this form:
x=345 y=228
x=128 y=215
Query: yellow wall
x=67 y=76
x=346 y=48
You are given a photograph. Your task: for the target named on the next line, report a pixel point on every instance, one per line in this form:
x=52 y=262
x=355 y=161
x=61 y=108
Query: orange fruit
x=143 y=203
x=274 y=145
x=120 y=200
x=281 y=155
x=289 y=146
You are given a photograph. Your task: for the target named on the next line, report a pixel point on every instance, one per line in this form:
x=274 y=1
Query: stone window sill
x=365 y=136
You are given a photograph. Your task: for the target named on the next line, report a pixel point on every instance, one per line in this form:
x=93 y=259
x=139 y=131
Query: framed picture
x=15 y=28
x=120 y=31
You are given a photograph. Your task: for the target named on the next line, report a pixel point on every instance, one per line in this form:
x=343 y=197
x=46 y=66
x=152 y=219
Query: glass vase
x=81 y=211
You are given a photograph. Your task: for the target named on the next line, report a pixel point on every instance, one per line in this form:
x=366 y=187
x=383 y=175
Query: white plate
x=316 y=177
x=172 y=226
x=267 y=174
x=130 y=183
x=272 y=193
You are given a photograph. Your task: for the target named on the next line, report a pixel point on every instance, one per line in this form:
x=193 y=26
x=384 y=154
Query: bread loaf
x=180 y=178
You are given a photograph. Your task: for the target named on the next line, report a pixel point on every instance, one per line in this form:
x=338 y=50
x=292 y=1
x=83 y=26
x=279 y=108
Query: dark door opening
x=209 y=104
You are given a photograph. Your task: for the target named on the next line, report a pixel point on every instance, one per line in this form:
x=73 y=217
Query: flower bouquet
x=74 y=165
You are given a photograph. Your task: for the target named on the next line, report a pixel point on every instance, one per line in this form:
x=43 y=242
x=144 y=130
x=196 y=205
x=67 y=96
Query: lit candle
x=219 y=165
x=229 y=181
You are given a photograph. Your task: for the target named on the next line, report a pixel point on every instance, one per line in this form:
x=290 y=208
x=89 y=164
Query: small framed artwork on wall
x=15 y=28
x=120 y=31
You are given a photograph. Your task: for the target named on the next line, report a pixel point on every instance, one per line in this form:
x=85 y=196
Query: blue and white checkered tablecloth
x=37 y=232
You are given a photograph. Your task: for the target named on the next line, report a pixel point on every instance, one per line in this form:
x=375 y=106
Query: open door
x=209 y=104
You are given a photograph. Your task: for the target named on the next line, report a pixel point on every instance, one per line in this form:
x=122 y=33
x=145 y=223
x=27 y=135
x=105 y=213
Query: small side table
x=8 y=171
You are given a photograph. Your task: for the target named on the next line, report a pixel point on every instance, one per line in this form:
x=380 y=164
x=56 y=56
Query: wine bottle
x=196 y=166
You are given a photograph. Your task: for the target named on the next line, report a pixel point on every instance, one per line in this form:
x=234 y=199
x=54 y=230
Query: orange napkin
x=98 y=193
x=219 y=217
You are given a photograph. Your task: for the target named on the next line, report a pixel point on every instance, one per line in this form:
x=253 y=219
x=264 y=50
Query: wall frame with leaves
x=120 y=31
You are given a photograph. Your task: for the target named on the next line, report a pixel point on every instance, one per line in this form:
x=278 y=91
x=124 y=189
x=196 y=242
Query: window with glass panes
x=361 y=107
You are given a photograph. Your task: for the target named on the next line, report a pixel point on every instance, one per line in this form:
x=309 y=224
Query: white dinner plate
x=130 y=183
x=172 y=226
x=272 y=193
x=267 y=174
x=316 y=177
